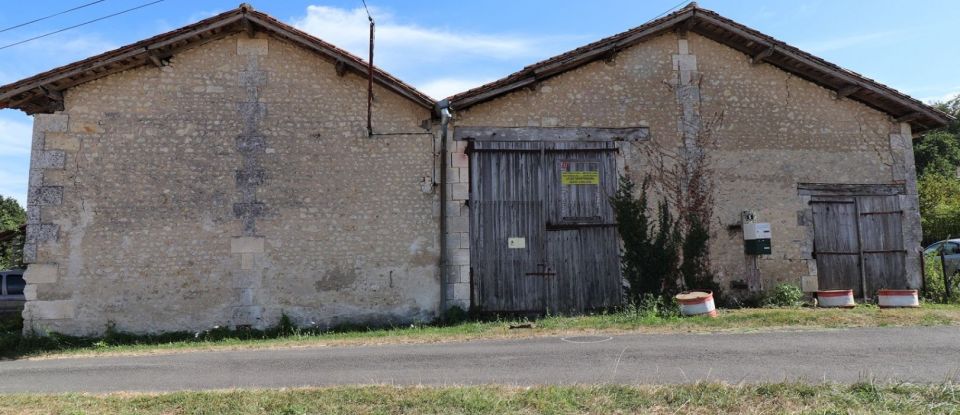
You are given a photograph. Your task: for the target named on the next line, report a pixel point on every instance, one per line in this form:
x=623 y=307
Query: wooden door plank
x=836 y=245
x=884 y=255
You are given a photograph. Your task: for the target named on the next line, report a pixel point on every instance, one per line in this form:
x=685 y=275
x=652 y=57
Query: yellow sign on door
x=580 y=178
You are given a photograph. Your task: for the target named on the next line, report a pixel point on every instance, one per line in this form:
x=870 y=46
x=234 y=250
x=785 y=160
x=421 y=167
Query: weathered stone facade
x=230 y=186
x=777 y=131
x=230 y=179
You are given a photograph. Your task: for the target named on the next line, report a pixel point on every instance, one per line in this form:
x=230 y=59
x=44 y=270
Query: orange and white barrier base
x=897 y=298
x=697 y=303
x=835 y=298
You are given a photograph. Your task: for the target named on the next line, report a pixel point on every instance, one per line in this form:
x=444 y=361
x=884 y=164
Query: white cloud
x=830 y=45
x=65 y=46
x=398 y=43
x=203 y=14
x=82 y=46
x=15 y=138
x=942 y=98
x=445 y=87
x=44 y=54
x=14 y=184
x=6 y=78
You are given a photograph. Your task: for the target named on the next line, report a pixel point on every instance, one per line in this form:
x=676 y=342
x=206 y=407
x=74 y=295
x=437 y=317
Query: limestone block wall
x=457 y=235
x=776 y=131
x=233 y=185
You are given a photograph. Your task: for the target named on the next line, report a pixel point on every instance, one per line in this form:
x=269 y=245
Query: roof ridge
x=754 y=42
x=22 y=94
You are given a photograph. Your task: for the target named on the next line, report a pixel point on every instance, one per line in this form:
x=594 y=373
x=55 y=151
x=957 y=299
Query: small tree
x=695 y=267
x=664 y=255
x=649 y=256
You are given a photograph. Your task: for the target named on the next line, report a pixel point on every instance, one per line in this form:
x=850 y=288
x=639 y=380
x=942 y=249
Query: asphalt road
x=922 y=355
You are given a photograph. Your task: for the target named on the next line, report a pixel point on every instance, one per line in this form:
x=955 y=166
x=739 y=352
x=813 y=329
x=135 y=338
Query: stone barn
x=223 y=174
x=817 y=158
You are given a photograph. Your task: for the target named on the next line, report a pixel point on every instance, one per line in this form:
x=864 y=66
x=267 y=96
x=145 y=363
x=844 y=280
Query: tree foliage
x=695 y=267
x=937 y=153
x=937 y=157
x=12 y=216
x=939 y=206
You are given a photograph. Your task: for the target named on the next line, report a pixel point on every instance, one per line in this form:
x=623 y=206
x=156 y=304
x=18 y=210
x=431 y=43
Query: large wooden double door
x=543 y=231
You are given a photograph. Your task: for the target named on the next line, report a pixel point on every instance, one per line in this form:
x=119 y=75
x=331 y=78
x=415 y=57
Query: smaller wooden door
x=858 y=243
x=881 y=236
x=836 y=244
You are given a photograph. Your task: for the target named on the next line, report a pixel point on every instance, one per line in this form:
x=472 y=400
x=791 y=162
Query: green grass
x=12 y=345
x=701 y=398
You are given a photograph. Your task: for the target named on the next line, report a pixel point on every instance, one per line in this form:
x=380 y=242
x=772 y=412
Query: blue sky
x=446 y=47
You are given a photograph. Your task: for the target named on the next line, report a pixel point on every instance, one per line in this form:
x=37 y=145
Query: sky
x=447 y=47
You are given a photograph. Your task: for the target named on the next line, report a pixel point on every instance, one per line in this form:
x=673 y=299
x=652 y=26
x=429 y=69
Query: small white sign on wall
x=517 y=242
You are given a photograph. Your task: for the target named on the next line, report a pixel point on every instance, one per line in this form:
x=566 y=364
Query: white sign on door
x=517 y=243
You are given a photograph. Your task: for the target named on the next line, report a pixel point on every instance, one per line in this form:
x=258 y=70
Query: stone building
x=821 y=154
x=223 y=174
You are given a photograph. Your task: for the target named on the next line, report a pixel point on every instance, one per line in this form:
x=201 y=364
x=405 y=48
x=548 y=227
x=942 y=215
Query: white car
x=950 y=249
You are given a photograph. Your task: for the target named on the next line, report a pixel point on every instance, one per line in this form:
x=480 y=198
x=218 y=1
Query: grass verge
x=12 y=345
x=701 y=398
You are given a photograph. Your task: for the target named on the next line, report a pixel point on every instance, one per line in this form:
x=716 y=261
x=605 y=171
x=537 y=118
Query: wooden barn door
x=507 y=229
x=836 y=244
x=881 y=239
x=542 y=228
x=858 y=243
x=582 y=244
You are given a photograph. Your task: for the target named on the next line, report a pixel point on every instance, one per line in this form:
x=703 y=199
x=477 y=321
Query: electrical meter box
x=756 y=239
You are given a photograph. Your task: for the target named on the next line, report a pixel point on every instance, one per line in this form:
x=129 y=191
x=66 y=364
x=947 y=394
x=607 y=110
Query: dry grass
x=761 y=319
x=702 y=398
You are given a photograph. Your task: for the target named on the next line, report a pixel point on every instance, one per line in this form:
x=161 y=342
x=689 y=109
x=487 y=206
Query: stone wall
x=776 y=131
x=233 y=185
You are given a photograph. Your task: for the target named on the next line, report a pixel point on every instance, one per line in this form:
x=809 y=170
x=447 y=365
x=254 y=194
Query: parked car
x=950 y=249
x=11 y=290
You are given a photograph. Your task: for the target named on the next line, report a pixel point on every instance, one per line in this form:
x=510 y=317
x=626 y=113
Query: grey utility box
x=756 y=239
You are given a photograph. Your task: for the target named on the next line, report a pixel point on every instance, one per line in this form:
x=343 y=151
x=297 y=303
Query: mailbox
x=756 y=239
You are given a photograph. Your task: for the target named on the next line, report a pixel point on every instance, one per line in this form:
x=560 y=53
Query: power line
x=669 y=10
x=52 y=15
x=81 y=24
x=367 y=9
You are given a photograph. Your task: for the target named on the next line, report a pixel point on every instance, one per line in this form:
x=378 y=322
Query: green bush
x=650 y=256
x=654 y=306
x=785 y=295
x=934 y=286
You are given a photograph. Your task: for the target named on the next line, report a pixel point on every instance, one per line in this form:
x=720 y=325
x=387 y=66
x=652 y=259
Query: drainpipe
x=443 y=108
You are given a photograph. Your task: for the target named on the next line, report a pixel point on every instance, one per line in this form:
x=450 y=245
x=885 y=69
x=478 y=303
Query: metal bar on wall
x=863 y=273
